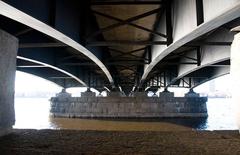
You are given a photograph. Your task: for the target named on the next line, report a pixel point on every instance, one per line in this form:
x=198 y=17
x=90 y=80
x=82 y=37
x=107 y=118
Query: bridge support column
x=235 y=75
x=64 y=94
x=166 y=94
x=8 y=53
x=88 y=93
x=191 y=93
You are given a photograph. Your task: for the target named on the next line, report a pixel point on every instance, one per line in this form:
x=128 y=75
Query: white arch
x=227 y=16
x=53 y=67
x=21 y=17
x=196 y=68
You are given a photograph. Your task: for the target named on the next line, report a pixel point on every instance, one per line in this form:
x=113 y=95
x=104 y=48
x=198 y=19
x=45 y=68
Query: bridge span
x=120 y=46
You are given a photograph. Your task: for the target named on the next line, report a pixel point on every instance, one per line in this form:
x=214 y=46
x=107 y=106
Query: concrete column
x=8 y=53
x=235 y=75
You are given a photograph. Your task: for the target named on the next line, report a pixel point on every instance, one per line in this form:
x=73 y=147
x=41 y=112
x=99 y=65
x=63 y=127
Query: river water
x=33 y=113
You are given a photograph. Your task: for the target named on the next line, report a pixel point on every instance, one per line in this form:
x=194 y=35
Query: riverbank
x=24 y=142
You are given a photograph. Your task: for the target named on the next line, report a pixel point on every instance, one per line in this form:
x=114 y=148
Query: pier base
x=115 y=94
x=8 y=52
x=130 y=107
x=139 y=94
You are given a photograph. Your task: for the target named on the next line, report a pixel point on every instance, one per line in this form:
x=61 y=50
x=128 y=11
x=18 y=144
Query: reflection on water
x=34 y=113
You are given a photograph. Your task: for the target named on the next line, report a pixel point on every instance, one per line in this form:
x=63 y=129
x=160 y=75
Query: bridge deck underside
x=130 y=40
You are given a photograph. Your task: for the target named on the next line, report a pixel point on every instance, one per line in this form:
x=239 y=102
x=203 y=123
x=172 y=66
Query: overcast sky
x=29 y=83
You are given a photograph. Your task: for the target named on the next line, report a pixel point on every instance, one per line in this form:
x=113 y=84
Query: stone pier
x=137 y=106
x=8 y=53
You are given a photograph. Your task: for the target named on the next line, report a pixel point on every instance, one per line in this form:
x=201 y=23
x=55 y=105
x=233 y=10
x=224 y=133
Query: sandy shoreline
x=73 y=142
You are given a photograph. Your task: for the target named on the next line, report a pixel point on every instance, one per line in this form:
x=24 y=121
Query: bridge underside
x=128 y=46
x=124 y=46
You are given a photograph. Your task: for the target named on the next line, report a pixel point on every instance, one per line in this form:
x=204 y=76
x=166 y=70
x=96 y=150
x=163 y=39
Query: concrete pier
x=8 y=53
x=129 y=107
x=235 y=74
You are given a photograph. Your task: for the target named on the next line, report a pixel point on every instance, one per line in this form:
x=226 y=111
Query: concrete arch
x=183 y=74
x=53 y=67
x=225 y=16
x=21 y=17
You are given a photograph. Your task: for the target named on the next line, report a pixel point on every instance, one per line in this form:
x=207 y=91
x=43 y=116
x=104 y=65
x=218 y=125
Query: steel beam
x=130 y=53
x=210 y=43
x=169 y=28
x=116 y=63
x=126 y=2
x=125 y=42
x=199 y=56
x=132 y=24
x=129 y=20
x=199 y=9
x=25 y=31
x=52 y=12
x=59 y=77
x=41 y=45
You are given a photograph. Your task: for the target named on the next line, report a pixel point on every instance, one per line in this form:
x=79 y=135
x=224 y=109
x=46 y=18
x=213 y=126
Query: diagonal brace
x=124 y=22
x=132 y=24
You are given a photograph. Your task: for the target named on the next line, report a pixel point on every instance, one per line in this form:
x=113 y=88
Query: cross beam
x=132 y=24
x=210 y=43
x=130 y=53
x=41 y=45
x=23 y=32
x=116 y=63
x=124 y=22
x=126 y=2
x=125 y=42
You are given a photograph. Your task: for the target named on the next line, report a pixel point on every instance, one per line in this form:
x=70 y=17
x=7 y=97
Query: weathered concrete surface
x=141 y=106
x=8 y=53
x=139 y=94
x=184 y=18
x=115 y=94
x=235 y=75
x=220 y=6
x=209 y=54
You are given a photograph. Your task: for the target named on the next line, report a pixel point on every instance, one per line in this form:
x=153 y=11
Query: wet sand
x=73 y=142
